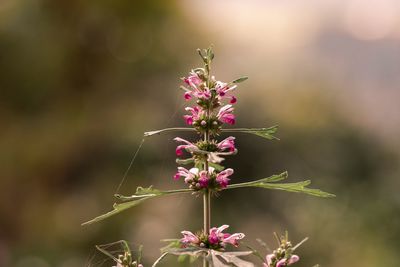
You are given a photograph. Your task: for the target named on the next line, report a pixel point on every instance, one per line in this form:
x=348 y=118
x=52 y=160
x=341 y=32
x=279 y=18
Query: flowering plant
x=210 y=107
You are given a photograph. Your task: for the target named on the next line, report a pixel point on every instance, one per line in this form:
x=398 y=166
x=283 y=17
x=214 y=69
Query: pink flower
x=203 y=179
x=293 y=259
x=188 y=146
x=225 y=114
x=216 y=236
x=193 y=80
x=189 y=238
x=222 y=177
x=196 y=113
x=188 y=95
x=227 y=143
x=189 y=175
x=233 y=239
x=205 y=93
x=269 y=258
x=223 y=89
x=196 y=88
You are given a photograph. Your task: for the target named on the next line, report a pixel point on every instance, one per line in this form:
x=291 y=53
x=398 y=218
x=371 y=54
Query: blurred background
x=81 y=81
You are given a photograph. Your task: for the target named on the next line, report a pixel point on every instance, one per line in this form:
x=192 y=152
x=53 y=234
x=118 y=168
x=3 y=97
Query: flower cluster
x=213 y=107
x=210 y=112
x=215 y=239
x=211 y=179
x=207 y=150
x=282 y=256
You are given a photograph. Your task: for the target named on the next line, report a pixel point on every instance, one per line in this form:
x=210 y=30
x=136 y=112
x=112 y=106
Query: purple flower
x=293 y=259
x=225 y=114
x=204 y=94
x=269 y=258
x=222 y=177
x=223 y=89
x=227 y=143
x=196 y=114
x=187 y=95
x=203 y=179
x=216 y=239
x=189 y=175
x=216 y=236
x=233 y=239
x=189 y=238
x=193 y=80
x=179 y=148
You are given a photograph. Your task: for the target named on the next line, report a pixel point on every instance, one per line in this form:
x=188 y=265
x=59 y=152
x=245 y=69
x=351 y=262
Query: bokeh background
x=80 y=82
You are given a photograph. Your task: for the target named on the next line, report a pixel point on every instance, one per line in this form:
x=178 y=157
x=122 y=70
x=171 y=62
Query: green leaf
x=141 y=195
x=216 y=166
x=240 y=80
x=267 y=133
x=210 y=53
x=270 y=183
x=185 y=161
x=117 y=209
x=201 y=55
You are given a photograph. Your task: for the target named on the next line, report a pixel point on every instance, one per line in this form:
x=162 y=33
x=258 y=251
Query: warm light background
x=80 y=82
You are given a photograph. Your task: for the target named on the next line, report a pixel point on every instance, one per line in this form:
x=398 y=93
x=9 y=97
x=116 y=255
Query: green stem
x=206 y=203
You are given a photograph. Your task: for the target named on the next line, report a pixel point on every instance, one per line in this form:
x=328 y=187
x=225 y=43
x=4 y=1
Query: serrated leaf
x=297 y=187
x=267 y=133
x=141 y=195
x=117 y=209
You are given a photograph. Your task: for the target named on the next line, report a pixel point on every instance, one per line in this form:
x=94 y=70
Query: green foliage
x=267 y=133
x=297 y=187
x=141 y=195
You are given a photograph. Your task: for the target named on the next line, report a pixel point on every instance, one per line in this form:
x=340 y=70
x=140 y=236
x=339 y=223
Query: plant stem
x=206 y=199
x=207 y=193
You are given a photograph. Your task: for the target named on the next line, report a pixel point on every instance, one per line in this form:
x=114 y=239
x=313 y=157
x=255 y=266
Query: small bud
x=202 y=245
x=203 y=123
